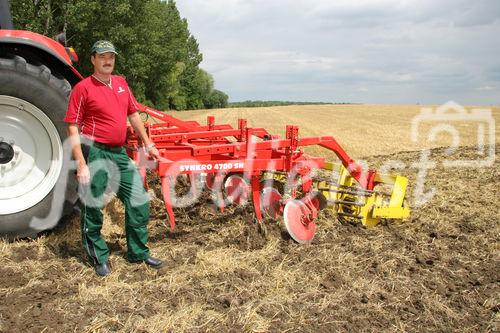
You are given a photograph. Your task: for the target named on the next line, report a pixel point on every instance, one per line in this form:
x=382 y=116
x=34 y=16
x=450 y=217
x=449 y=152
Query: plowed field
x=438 y=272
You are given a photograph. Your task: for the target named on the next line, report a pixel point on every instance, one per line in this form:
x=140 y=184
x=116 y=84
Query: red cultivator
x=237 y=164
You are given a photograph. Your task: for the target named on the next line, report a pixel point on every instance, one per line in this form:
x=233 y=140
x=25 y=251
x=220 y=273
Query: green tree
x=157 y=53
x=216 y=100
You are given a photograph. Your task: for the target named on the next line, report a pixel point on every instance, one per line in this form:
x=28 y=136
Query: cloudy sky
x=384 y=51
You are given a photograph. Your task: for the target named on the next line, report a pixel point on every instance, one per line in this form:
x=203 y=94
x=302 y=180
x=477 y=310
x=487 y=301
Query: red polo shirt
x=101 y=110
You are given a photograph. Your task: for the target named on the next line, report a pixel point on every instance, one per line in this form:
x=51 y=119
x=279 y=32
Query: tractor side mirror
x=61 y=38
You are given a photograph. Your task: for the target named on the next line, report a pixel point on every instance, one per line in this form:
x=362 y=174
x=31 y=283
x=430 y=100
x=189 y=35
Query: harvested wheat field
x=438 y=272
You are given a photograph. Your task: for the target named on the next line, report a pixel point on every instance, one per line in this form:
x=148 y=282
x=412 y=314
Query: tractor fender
x=36 y=48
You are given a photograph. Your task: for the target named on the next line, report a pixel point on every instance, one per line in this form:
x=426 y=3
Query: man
x=97 y=113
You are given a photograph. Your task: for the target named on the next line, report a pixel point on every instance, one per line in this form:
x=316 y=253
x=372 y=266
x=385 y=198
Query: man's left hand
x=154 y=153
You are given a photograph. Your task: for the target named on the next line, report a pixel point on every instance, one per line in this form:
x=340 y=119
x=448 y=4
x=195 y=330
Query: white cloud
x=487 y=88
x=361 y=51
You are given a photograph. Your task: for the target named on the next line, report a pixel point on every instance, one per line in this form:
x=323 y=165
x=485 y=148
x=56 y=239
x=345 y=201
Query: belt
x=107 y=147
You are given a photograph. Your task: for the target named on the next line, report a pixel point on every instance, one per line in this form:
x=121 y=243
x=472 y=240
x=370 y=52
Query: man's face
x=104 y=63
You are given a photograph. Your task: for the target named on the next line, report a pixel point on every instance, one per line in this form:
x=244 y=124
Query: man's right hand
x=83 y=173
x=82 y=170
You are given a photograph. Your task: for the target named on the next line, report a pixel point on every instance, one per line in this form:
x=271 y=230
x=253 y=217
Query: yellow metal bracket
x=350 y=202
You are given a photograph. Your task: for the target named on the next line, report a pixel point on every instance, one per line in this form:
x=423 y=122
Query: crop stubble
x=437 y=272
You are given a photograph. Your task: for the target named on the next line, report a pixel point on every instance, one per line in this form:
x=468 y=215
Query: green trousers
x=111 y=167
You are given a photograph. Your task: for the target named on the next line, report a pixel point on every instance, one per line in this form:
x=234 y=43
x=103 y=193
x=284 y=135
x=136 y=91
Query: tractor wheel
x=33 y=103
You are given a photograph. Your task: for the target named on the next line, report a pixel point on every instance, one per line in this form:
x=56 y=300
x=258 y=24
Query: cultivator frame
x=235 y=163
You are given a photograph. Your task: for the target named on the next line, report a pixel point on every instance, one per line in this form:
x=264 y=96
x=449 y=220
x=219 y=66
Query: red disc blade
x=236 y=189
x=270 y=202
x=298 y=224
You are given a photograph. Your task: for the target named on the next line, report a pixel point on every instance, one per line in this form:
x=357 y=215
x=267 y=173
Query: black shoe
x=102 y=269
x=153 y=262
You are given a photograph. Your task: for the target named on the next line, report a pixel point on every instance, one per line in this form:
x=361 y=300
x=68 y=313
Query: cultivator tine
x=165 y=187
x=255 y=183
x=219 y=180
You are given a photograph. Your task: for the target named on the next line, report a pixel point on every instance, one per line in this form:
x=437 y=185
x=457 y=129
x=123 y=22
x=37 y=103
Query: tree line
x=157 y=54
x=251 y=104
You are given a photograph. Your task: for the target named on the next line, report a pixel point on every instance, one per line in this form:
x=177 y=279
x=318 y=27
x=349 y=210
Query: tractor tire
x=36 y=186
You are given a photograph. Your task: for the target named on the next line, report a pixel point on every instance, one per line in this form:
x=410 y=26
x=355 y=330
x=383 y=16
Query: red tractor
x=36 y=77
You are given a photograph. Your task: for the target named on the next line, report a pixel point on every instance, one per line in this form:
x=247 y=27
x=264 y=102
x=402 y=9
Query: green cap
x=103 y=46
